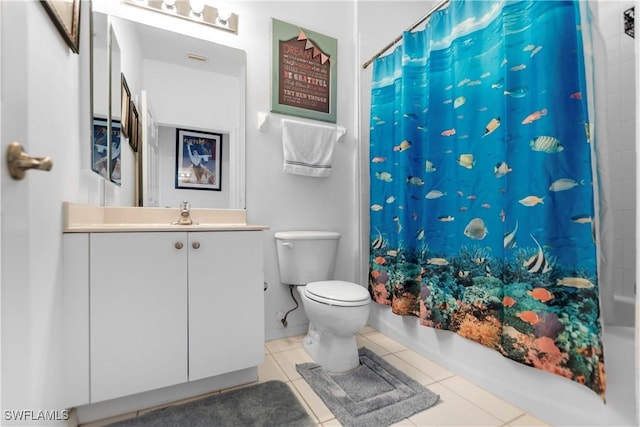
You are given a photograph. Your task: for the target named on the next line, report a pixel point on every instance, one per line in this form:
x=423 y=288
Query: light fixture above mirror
x=193 y=10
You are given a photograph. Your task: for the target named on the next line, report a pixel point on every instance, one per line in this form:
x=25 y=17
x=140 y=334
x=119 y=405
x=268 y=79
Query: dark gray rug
x=373 y=394
x=266 y=404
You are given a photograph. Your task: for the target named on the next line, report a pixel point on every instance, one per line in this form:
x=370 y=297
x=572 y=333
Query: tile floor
x=461 y=402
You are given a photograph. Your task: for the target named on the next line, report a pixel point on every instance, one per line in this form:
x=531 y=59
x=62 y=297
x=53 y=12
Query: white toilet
x=337 y=310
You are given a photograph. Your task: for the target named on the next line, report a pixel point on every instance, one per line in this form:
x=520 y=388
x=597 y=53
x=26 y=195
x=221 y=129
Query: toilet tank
x=306 y=256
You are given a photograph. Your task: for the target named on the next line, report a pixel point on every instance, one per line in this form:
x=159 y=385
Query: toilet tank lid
x=307 y=235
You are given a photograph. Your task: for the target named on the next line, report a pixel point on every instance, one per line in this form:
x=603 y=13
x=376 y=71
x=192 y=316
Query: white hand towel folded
x=308 y=148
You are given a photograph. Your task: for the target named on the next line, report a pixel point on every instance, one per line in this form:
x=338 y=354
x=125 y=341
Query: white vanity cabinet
x=167 y=307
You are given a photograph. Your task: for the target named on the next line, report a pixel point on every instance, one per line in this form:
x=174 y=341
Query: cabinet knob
x=179 y=245
x=195 y=245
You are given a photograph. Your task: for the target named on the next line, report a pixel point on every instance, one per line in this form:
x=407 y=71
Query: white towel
x=308 y=148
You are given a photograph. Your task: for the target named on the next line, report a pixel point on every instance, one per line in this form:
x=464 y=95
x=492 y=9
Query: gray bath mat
x=271 y=403
x=373 y=394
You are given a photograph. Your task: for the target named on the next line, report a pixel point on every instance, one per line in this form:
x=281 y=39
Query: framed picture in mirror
x=125 y=110
x=115 y=167
x=100 y=150
x=66 y=17
x=139 y=137
x=198 y=160
x=134 y=125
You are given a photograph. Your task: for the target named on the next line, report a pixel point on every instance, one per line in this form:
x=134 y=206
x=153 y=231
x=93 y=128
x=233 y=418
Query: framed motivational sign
x=304 y=73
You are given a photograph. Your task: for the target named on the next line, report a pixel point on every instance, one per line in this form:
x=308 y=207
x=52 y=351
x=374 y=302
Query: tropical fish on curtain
x=482 y=196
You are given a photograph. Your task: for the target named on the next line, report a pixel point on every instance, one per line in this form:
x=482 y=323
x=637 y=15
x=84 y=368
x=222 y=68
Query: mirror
x=114 y=125
x=177 y=82
x=100 y=96
x=105 y=69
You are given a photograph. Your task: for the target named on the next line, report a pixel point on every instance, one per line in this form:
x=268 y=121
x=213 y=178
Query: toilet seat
x=337 y=292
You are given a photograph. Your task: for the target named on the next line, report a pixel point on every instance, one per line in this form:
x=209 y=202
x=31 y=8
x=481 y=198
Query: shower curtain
x=482 y=194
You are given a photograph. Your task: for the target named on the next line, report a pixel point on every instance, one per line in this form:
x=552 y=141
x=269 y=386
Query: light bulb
x=223 y=15
x=197 y=6
x=169 y=5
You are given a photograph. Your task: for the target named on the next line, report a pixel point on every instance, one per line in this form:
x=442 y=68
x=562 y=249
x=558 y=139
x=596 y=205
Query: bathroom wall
x=621 y=127
x=290 y=202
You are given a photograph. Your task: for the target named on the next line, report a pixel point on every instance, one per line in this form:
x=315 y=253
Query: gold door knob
x=195 y=245
x=179 y=245
x=19 y=162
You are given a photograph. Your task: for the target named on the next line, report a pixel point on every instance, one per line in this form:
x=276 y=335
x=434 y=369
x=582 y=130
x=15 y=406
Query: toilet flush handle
x=288 y=245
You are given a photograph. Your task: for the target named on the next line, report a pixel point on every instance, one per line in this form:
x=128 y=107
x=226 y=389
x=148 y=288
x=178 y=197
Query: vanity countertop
x=109 y=219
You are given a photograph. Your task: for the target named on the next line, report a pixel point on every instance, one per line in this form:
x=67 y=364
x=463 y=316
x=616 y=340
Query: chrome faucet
x=185 y=215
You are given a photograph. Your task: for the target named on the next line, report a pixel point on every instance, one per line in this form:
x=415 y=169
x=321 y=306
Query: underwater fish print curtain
x=482 y=196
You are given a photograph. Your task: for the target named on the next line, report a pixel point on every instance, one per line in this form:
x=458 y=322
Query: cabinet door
x=226 y=302
x=138 y=312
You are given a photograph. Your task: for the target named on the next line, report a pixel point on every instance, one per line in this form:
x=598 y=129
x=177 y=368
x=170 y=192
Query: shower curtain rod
x=411 y=28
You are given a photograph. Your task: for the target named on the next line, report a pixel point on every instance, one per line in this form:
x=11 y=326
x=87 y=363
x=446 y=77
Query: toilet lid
x=337 y=292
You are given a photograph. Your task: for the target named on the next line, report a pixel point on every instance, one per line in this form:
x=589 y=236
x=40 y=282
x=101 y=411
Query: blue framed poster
x=198 y=160
x=105 y=160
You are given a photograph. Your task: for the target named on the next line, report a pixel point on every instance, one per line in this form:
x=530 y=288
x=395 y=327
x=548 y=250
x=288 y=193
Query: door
x=40 y=89
x=150 y=154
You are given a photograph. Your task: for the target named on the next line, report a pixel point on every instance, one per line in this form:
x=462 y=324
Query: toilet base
x=334 y=353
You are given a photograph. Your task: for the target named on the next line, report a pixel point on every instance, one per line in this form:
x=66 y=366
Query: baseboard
x=153 y=398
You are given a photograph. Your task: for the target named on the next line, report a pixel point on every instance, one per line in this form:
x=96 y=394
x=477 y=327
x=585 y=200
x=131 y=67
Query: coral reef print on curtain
x=481 y=184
